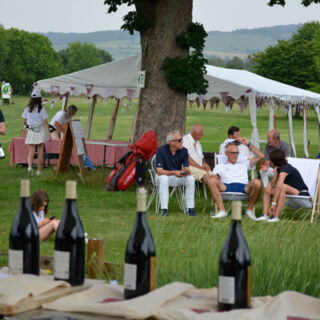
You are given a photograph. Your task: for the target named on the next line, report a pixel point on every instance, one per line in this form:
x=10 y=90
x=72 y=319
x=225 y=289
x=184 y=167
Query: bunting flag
x=72 y=90
x=35 y=84
x=109 y=92
x=286 y=108
x=243 y=103
x=204 y=102
x=45 y=101
x=227 y=108
x=89 y=88
x=88 y=99
x=259 y=101
x=54 y=90
x=197 y=102
x=201 y=98
x=211 y=102
x=224 y=96
x=130 y=93
x=52 y=103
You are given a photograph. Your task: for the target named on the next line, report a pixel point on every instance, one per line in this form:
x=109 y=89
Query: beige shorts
x=198 y=173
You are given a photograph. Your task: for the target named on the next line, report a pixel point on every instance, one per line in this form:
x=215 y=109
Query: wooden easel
x=72 y=137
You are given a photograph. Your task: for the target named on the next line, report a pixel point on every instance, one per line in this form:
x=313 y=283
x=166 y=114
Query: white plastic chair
x=310 y=173
x=179 y=191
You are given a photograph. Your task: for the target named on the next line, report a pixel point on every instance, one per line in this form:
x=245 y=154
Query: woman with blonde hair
x=57 y=124
x=35 y=118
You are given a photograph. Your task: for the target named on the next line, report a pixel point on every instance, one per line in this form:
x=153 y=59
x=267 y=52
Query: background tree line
x=295 y=61
x=26 y=57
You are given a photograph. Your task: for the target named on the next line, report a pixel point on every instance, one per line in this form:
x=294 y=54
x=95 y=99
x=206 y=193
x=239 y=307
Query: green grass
x=285 y=255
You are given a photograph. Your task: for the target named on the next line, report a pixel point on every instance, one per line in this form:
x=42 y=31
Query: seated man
x=173 y=170
x=232 y=176
x=273 y=143
x=234 y=136
x=287 y=180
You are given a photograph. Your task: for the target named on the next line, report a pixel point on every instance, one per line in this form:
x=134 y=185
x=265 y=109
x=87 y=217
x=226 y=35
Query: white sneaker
x=251 y=214
x=264 y=217
x=220 y=214
x=274 y=219
x=38 y=173
x=30 y=171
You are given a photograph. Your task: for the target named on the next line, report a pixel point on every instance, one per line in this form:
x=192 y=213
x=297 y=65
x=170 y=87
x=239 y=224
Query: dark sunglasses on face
x=179 y=140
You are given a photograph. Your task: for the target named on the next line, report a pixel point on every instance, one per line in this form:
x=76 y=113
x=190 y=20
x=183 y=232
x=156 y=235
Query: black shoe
x=191 y=212
x=165 y=212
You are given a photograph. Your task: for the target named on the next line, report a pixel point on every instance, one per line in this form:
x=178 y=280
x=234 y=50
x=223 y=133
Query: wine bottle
x=69 y=252
x=24 y=246
x=140 y=256
x=234 y=267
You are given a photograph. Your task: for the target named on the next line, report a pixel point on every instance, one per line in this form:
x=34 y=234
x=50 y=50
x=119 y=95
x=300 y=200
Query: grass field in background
x=285 y=255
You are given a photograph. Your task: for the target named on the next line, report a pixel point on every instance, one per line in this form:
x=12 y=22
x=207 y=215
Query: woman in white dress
x=35 y=118
x=57 y=124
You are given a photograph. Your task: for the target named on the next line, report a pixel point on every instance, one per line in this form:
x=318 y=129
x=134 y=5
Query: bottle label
x=130 y=276
x=152 y=273
x=61 y=264
x=16 y=261
x=226 y=292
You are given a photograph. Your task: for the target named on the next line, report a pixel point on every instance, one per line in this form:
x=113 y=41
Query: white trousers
x=265 y=175
x=164 y=182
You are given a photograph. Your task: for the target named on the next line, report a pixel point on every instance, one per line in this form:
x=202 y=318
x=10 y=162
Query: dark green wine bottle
x=69 y=254
x=140 y=256
x=234 y=267
x=24 y=245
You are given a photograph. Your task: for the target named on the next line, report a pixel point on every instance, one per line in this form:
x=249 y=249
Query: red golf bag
x=124 y=173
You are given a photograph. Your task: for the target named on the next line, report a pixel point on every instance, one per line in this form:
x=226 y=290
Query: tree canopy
x=296 y=61
x=78 y=56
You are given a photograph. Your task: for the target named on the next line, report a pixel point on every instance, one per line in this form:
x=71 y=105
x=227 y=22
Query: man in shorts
x=232 y=176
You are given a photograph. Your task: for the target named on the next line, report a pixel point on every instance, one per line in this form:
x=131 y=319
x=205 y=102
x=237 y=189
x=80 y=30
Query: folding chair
x=232 y=196
x=310 y=172
x=177 y=190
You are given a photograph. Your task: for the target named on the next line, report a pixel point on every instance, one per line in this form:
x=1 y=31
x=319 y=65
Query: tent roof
x=240 y=82
x=114 y=78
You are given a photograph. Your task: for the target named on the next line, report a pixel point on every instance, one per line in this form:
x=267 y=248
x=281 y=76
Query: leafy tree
x=30 y=57
x=78 y=56
x=215 y=61
x=235 y=63
x=293 y=61
x=4 y=49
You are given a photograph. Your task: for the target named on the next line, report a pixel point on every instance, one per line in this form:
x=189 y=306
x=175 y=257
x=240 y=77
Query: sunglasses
x=179 y=140
x=233 y=152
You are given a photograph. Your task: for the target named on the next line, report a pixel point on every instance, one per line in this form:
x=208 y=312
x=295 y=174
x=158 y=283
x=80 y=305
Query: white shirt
x=231 y=173
x=35 y=118
x=244 y=150
x=38 y=219
x=194 y=148
x=59 y=117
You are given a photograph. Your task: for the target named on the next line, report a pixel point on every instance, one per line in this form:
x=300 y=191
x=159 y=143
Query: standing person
x=35 y=117
x=2 y=132
x=172 y=170
x=57 y=124
x=234 y=135
x=287 y=180
x=39 y=205
x=273 y=143
x=232 y=176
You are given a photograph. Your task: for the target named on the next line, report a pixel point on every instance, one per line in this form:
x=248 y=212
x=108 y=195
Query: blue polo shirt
x=166 y=160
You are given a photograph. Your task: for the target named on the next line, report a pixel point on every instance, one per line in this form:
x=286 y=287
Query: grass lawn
x=285 y=255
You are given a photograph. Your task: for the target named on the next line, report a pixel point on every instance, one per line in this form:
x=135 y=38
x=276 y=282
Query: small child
x=39 y=205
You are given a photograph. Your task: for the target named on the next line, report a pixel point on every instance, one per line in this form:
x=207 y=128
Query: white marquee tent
x=120 y=79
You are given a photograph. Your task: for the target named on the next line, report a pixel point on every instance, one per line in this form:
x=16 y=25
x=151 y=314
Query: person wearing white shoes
x=287 y=180
x=232 y=176
x=35 y=118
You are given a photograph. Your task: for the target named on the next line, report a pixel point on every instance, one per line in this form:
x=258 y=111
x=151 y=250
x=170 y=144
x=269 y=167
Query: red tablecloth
x=96 y=152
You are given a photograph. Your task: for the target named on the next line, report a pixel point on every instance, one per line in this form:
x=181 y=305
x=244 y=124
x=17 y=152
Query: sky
x=90 y=15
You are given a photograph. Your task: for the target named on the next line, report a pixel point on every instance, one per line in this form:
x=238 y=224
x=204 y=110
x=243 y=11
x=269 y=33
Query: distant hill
x=239 y=42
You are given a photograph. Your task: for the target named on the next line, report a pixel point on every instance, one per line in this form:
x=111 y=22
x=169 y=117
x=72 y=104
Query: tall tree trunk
x=161 y=109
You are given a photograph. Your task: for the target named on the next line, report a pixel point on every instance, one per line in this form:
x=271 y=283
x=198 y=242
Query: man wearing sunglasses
x=172 y=170
x=232 y=176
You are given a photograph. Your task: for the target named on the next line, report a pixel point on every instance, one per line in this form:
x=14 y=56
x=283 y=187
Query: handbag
x=2 y=154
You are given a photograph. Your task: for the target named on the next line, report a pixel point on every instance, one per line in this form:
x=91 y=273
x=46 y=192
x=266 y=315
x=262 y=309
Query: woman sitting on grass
x=39 y=205
x=287 y=180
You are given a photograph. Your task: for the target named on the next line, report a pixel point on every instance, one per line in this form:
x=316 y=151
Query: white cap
x=36 y=93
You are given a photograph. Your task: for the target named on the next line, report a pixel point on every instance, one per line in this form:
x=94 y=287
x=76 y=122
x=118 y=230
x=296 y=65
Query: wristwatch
x=249 y=144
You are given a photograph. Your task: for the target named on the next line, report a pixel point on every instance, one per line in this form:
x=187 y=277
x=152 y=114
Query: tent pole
x=305 y=132
x=271 y=115
x=89 y=123
x=293 y=147
x=253 y=117
x=113 y=121
x=134 y=124
x=64 y=106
